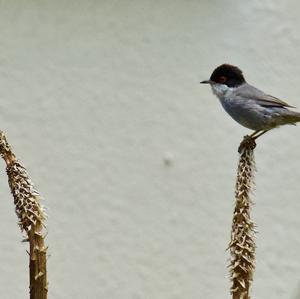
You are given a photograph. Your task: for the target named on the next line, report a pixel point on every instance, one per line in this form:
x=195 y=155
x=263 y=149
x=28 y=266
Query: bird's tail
x=292 y=117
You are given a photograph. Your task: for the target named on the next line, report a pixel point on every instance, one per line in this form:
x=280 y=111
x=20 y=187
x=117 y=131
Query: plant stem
x=242 y=245
x=31 y=219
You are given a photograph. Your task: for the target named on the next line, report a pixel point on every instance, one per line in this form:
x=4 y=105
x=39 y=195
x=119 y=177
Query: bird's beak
x=207 y=82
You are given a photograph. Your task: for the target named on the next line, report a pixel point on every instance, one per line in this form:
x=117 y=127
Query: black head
x=227 y=74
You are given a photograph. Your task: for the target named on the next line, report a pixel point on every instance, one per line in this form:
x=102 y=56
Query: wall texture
x=136 y=160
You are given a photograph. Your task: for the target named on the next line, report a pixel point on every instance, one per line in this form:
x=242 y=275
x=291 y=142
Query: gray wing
x=250 y=92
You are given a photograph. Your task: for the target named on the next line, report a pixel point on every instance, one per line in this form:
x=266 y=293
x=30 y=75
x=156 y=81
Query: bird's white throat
x=220 y=90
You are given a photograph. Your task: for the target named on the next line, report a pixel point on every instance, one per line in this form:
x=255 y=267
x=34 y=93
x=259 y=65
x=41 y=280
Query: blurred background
x=135 y=159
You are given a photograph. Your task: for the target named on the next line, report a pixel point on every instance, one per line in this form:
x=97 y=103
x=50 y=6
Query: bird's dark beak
x=207 y=82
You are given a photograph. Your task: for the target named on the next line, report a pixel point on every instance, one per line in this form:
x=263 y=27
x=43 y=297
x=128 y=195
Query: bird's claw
x=247 y=142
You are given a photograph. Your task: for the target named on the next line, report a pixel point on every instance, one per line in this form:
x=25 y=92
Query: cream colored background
x=136 y=160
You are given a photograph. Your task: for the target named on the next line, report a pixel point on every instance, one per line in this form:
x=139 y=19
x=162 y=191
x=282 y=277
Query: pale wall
x=136 y=160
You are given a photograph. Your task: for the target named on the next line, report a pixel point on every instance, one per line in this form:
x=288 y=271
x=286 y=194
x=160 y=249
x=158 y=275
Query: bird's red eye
x=222 y=79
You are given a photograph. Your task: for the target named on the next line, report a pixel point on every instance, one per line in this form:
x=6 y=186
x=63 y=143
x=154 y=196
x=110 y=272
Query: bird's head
x=226 y=74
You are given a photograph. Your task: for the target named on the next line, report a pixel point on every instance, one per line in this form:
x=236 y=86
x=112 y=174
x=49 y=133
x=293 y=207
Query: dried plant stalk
x=242 y=245
x=31 y=219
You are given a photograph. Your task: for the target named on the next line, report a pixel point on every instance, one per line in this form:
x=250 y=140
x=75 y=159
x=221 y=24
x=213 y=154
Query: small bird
x=249 y=106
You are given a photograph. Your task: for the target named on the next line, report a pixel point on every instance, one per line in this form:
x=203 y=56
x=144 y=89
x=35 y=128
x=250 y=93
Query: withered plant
x=31 y=219
x=242 y=244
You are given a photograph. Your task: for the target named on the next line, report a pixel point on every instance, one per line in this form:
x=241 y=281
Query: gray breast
x=246 y=113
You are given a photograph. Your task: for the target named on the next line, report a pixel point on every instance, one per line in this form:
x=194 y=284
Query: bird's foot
x=247 y=142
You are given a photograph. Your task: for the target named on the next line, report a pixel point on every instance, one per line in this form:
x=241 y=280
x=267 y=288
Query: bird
x=248 y=105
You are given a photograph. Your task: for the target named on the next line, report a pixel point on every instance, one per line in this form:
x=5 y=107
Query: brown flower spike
x=31 y=218
x=242 y=245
